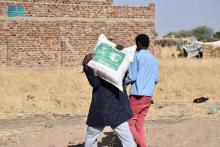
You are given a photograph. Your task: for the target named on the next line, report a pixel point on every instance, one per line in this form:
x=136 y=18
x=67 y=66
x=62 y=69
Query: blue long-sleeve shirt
x=143 y=74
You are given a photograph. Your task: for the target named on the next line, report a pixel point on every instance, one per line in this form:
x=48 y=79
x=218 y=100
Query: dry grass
x=26 y=91
x=183 y=80
x=189 y=78
x=43 y=91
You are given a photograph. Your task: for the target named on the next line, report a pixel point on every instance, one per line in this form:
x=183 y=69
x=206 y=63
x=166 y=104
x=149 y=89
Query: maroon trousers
x=140 y=106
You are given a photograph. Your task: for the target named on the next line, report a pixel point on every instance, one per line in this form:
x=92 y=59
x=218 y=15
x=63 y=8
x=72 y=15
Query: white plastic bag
x=109 y=63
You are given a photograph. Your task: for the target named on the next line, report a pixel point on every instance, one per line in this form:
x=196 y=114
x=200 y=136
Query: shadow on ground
x=110 y=140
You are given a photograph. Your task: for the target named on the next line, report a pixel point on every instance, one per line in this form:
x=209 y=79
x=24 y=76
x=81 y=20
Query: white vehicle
x=192 y=50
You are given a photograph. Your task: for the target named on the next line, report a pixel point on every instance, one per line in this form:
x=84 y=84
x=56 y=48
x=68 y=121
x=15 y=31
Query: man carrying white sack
x=109 y=107
x=142 y=75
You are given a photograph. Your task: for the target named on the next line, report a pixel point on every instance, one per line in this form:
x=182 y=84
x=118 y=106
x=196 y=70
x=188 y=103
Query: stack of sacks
x=212 y=49
x=208 y=51
x=109 y=63
x=216 y=48
x=216 y=43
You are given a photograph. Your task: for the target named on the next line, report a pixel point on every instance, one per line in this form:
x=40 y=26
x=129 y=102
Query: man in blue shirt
x=142 y=75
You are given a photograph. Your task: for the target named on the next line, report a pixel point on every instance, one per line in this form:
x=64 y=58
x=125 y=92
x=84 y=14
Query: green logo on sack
x=108 y=56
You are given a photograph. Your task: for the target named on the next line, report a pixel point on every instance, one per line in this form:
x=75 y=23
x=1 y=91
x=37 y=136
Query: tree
x=183 y=34
x=216 y=36
x=171 y=34
x=203 y=33
x=179 y=34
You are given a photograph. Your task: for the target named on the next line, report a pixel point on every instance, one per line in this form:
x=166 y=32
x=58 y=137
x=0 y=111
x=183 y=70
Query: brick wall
x=61 y=32
x=89 y=2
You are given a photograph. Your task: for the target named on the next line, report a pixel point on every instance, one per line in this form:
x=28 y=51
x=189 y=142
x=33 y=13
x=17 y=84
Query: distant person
x=109 y=107
x=142 y=75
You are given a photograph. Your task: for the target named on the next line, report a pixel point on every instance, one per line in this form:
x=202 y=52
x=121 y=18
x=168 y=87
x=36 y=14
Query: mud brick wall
x=210 y=51
x=88 y=2
x=59 y=33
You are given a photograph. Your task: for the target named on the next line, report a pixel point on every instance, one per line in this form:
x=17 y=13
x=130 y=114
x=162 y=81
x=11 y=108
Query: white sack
x=109 y=63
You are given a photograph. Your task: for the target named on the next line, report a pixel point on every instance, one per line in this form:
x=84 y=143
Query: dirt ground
x=69 y=131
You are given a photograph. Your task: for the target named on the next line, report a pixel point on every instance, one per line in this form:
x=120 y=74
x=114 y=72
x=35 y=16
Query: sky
x=175 y=15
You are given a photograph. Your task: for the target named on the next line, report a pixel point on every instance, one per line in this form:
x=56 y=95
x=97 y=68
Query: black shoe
x=200 y=100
